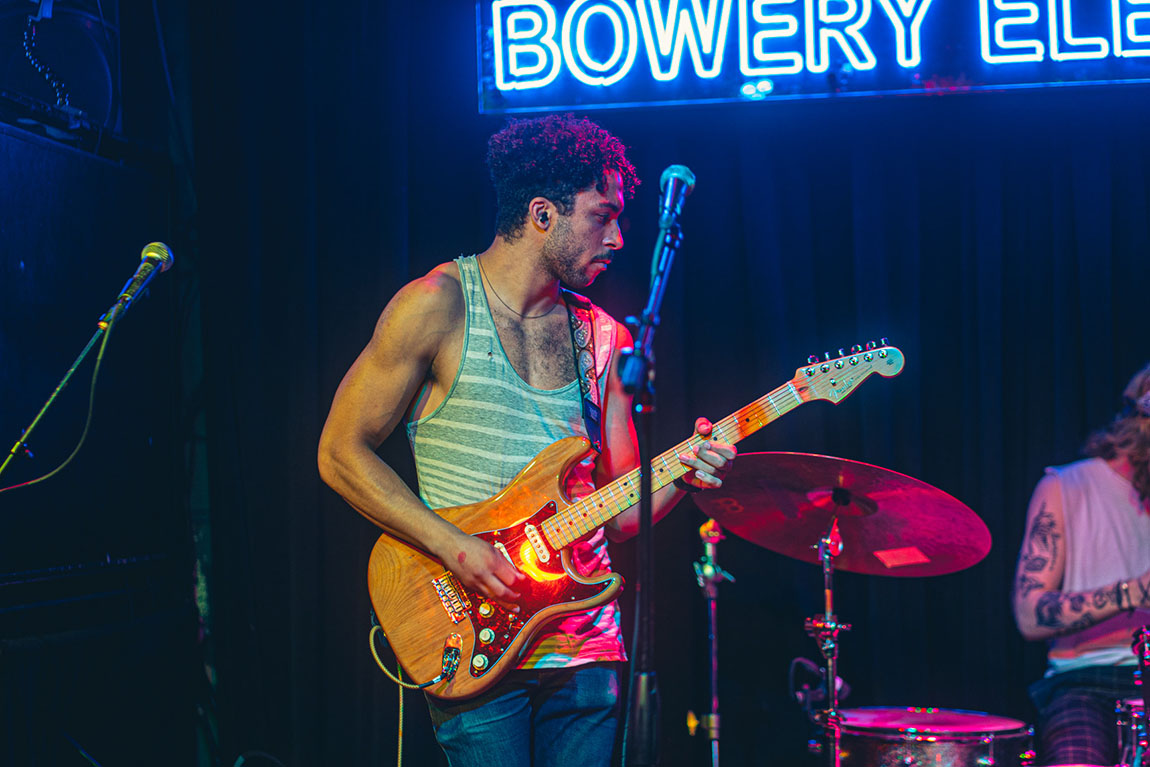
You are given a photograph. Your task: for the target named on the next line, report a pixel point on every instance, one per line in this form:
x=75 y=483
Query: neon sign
x=538 y=54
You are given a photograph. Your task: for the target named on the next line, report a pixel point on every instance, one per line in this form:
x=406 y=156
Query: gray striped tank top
x=490 y=425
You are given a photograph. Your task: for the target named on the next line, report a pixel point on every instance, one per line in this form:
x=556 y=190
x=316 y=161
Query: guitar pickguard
x=548 y=584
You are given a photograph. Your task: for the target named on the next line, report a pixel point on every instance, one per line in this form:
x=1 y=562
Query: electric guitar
x=436 y=627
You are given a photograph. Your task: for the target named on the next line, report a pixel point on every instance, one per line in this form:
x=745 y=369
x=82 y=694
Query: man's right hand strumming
x=479 y=567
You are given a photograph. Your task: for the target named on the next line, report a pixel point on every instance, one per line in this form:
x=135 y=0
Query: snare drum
x=1131 y=731
x=878 y=736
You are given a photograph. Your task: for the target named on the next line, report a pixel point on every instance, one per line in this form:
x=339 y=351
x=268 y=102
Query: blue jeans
x=537 y=718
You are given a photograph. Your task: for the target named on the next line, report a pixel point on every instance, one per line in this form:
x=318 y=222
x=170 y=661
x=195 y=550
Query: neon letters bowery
x=603 y=42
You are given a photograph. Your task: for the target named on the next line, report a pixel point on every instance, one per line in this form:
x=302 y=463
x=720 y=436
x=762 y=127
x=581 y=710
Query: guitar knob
x=479 y=662
x=486 y=636
x=486 y=610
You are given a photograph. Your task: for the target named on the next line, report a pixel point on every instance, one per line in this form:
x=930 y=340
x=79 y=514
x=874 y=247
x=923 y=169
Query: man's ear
x=540 y=213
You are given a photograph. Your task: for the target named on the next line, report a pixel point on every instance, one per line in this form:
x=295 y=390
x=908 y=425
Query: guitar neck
x=609 y=501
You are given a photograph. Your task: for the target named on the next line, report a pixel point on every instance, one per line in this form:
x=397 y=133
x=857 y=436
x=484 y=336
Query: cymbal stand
x=709 y=575
x=825 y=630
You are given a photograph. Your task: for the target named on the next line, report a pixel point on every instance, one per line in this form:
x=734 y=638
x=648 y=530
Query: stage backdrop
x=997 y=239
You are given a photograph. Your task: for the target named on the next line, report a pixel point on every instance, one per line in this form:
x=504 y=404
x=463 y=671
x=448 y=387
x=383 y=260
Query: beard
x=561 y=257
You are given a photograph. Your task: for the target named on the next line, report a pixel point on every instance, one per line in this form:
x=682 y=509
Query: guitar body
x=420 y=605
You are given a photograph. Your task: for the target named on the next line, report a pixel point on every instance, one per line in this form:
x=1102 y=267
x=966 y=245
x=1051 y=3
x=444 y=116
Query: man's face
x=581 y=243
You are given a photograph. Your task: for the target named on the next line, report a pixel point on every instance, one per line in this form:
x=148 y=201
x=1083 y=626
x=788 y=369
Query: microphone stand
x=637 y=372
x=709 y=575
x=103 y=326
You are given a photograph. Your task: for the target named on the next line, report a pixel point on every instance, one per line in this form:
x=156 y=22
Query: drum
x=1131 y=732
x=878 y=736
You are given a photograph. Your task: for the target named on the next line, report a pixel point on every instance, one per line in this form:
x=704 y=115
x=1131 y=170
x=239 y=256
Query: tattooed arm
x=1041 y=609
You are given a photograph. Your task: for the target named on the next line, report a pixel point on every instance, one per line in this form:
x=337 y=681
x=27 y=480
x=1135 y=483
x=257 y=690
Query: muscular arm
x=621 y=452
x=1041 y=609
x=409 y=337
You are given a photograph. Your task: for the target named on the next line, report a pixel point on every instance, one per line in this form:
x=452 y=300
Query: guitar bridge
x=452 y=596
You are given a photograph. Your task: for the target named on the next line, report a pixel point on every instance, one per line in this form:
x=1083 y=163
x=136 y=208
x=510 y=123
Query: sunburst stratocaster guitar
x=426 y=613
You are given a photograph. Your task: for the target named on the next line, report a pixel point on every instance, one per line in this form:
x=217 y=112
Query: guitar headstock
x=835 y=378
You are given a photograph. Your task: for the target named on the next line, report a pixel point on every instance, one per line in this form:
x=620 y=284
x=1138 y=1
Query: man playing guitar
x=476 y=359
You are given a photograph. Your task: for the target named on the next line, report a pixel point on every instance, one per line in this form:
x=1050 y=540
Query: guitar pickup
x=542 y=553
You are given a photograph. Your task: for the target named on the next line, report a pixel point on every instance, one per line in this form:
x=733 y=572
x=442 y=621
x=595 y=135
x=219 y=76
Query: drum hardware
x=1141 y=648
x=709 y=575
x=1132 y=733
x=867 y=520
x=824 y=629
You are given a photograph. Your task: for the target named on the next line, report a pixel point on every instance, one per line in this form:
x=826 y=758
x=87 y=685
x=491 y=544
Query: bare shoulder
x=1046 y=502
x=423 y=312
x=623 y=337
x=428 y=298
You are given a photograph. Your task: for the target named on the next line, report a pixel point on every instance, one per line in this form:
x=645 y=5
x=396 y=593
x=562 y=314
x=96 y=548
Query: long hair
x=1129 y=433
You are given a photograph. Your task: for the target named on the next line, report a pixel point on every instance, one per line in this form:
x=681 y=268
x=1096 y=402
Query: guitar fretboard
x=596 y=509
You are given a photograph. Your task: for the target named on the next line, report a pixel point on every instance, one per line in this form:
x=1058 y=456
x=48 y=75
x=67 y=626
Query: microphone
x=676 y=183
x=154 y=254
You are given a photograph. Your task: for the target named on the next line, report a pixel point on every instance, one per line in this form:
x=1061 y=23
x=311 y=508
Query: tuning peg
x=813 y=359
x=842 y=353
x=884 y=342
x=827 y=356
x=856 y=349
x=870 y=346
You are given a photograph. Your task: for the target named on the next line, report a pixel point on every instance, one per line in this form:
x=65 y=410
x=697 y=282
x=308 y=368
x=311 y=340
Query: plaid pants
x=1076 y=719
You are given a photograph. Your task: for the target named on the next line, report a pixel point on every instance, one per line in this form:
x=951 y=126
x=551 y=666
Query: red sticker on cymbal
x=909 y=555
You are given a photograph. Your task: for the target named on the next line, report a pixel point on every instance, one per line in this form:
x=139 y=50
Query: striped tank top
x=490 y=425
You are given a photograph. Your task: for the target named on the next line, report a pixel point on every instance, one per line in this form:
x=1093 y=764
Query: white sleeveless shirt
x=1107 y=539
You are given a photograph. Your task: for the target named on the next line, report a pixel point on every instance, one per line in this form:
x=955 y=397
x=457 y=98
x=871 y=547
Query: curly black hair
x=554 y=157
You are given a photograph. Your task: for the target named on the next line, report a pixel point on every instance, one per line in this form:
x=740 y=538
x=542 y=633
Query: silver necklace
x=496 y=293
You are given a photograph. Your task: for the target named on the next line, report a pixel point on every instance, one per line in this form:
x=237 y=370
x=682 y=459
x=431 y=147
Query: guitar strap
x=580 y=316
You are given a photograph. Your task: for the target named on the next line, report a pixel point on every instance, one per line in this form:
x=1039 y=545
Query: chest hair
x=539 y=349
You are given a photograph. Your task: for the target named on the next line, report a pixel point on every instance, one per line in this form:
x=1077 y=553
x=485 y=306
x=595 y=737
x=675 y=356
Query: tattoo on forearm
x=1085 y=622
x=1048 y=611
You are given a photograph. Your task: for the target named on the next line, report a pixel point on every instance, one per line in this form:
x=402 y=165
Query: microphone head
x=158 y=251
x=680 y=172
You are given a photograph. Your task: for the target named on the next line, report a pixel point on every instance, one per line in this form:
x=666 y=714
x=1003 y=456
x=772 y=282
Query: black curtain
x=996 y=238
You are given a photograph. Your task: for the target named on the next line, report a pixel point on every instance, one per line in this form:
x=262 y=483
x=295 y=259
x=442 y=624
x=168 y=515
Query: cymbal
x=890 y=524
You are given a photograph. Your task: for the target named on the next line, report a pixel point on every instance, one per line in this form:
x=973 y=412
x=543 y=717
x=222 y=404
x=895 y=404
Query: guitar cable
x=451 y=653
